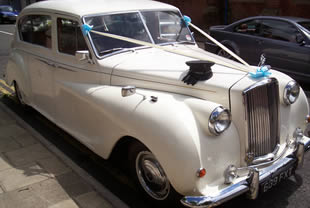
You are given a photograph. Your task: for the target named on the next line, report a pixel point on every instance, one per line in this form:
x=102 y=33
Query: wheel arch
x=231 y=45
x=16 y=71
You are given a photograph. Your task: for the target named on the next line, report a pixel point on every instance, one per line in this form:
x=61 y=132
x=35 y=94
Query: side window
x=70 y=37
x=36 y=29
x=279 y=30
x=250 y=27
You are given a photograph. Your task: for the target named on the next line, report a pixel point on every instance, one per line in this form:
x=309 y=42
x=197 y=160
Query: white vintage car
x=195 y=125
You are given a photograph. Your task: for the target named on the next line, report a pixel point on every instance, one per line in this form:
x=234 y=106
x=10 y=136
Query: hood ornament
x=262 y=60
x=262 y=70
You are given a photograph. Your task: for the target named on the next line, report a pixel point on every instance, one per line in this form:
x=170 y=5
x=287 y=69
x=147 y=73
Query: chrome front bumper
x=251 y=184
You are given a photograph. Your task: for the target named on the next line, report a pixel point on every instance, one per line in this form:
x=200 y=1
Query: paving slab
x=21 y=199
x=6 y=119
x=67 y=204
x=12 y=130
x=8 y=144
x=4 y=163
x=15 y=178
x=51 y=192
x=54 y=166
x=73 y=184
x=28 y=154
x=92 y=200
x=25 y=140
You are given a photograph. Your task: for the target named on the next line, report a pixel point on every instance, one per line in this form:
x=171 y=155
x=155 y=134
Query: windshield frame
x=144 y=24
x=304 y=31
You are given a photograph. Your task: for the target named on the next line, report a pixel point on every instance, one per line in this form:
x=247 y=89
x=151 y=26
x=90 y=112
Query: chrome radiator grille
x=262 y=102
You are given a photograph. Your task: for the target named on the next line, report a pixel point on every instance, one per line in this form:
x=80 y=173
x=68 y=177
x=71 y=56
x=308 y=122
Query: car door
x=74 y=82
x=244 y=39
x=36 y=35
x=282 y=49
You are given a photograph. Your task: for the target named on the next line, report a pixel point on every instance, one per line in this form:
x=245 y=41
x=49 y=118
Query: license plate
x=280 y=175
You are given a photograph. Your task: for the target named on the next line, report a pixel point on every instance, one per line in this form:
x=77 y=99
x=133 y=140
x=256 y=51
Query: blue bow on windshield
x=187 y=20
x=262 y=71
x=86 y=28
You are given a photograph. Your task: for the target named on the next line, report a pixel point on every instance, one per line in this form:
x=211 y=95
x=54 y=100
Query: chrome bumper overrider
x=251 y=184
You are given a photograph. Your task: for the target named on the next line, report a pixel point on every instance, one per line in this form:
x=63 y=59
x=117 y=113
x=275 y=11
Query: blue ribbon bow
x=187 y=20
x=262 y=71
x=86 y=28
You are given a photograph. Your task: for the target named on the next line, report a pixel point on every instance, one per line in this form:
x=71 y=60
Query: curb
x=106 y=194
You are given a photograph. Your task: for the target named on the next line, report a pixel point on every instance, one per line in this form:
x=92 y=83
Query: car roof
x=290 y=19
x=88 y=7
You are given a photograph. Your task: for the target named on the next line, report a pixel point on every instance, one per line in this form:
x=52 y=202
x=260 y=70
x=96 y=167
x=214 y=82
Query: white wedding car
x=194 y=129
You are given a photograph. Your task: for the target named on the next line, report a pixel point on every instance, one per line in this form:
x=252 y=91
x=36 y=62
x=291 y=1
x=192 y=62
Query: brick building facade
x=211 y=12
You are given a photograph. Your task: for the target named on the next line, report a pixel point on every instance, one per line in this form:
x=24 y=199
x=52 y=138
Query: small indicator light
x=201 y=172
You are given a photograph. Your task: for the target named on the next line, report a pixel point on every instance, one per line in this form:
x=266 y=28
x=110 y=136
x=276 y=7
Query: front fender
x=174 y=128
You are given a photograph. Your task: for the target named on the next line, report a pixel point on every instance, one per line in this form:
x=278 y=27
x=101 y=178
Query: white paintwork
x=85 y=99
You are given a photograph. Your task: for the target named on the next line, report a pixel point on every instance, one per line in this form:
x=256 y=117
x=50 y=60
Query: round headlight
x=291 y=92
x=219 y=120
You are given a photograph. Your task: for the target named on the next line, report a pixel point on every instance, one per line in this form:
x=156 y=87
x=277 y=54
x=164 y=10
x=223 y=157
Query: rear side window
x=36 y=29
x=251 y=27
x=70 y=37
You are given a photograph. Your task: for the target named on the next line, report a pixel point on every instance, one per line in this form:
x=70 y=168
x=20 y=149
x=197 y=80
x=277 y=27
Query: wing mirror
x=300 y=39
x=83 y=55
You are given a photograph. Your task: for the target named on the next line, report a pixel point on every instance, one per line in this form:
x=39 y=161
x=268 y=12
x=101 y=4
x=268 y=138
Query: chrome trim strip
x=64 y=68
x=248 y=184
x=46 y=62
x=267 y=157
x=235 y=190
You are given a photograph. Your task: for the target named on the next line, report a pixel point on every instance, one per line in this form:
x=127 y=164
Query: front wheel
x=150 y=176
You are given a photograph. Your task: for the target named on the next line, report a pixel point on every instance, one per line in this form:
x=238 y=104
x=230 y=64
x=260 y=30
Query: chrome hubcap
x=151 y=176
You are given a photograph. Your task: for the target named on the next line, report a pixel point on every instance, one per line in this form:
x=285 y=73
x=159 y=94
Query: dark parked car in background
x=7 y=14
x=285 y=42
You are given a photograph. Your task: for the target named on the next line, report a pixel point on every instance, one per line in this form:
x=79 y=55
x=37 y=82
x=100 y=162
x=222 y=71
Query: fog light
x=201 y=172
x=230 y=174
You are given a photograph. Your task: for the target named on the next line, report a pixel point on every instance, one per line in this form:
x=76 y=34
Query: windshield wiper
x=110 y=51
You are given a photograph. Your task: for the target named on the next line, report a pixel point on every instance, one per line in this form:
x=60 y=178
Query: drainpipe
x=226 y=13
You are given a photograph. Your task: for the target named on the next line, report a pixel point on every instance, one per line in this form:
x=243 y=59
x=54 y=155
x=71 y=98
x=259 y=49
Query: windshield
x=6 y=9
x=158 y=27
x=305 y=25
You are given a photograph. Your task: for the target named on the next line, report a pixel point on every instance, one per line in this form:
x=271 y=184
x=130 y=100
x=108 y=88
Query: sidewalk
x=33 y=177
